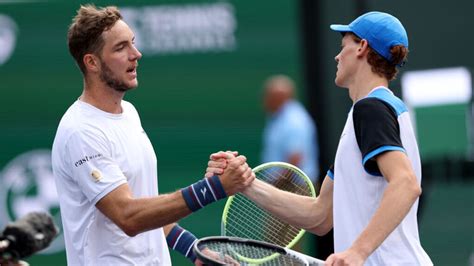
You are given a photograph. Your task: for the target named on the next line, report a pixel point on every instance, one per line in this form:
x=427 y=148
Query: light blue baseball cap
x=381 y=30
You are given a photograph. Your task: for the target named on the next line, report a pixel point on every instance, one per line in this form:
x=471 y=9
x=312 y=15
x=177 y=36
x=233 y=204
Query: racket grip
x=313 y=261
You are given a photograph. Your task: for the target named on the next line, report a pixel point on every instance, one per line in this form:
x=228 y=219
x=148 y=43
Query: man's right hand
x=218 y=161
x=237 y=174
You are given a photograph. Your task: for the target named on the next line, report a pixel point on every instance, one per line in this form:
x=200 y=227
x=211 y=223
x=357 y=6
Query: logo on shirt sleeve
x=86 y=159
x=96 y=175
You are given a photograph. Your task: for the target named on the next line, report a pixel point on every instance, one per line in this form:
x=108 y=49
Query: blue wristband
x=182 y=241
x=203 y=192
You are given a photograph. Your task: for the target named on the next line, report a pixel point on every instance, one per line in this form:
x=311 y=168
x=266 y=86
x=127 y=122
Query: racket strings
x=286 y=180
x=248 y=220
x=259 y=216
x=250 y=254
x=253 y=229
x=275 y=231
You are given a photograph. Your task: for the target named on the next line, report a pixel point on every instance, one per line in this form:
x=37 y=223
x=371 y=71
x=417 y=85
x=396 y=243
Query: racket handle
x=313 y=261
x=310 y=260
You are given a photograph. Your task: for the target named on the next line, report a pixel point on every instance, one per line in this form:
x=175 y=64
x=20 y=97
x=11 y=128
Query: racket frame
x=257 y=243
x=263 y=167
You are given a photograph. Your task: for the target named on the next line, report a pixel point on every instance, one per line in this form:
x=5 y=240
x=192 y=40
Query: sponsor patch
x=96 y=175
x=86 y=159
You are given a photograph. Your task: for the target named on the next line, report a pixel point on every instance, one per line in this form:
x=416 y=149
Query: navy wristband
x=182 y=241
x=203 y=192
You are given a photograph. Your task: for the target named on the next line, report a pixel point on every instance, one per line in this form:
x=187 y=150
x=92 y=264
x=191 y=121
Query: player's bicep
x=325 y=198
x=323 y=208
x=113 y=204
x=326 y=191
x=395 y=165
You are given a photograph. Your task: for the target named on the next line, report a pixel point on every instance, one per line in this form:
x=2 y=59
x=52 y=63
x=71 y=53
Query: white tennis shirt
x=376 y=124
x=93 y=153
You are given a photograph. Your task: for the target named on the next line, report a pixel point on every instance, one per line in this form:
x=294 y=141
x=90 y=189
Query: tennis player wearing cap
x=377 y=169
x=370 y=196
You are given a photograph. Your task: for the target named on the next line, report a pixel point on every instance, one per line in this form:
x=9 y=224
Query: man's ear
x=91 y=62
x=363 y=48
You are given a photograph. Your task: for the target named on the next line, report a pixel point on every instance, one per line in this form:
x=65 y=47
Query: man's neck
x=102 y=97
x=363 y=85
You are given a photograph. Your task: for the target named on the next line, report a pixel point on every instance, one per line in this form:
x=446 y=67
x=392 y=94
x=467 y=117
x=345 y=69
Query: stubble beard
x=108 y=77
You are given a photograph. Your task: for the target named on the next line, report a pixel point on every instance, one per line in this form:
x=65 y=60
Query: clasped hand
x=232 y=169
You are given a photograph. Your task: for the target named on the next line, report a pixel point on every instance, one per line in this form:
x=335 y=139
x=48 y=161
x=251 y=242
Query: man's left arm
x=398 y=198
x=181 y=240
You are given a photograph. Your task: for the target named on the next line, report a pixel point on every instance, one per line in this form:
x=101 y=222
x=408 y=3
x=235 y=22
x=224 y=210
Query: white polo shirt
x=93 y=153
x=377 y=123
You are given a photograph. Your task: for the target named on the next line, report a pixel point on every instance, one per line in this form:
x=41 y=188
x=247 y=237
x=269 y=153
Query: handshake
x=227 y=174
x=233 y=171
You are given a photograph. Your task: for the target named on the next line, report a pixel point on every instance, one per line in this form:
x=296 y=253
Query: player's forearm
x=325 y=204
x=143 y=214
x=292 y=208
x=398 y=198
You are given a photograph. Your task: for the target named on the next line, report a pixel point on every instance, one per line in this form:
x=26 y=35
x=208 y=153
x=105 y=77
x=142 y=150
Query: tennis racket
x=222 y=250
x=243 y=218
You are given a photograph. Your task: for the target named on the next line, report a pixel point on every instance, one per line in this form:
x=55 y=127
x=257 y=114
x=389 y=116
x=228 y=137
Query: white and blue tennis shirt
x=377 y=123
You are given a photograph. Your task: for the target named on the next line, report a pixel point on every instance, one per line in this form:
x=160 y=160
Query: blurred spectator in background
x=290 y=132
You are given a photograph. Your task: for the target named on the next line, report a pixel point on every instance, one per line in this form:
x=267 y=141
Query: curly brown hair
x=85 y=32
x=382 y=66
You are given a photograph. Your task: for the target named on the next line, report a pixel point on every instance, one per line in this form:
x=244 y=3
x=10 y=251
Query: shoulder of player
x=372 y=107
x=75 y=123
x=127 y=104
x=81 y=130
x=129 y=107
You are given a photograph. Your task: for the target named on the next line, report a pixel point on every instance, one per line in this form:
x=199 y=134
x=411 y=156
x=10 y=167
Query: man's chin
x=339 y=82
x=124 y=88
x=134 y=85
x=130 y=86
